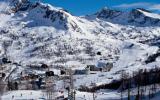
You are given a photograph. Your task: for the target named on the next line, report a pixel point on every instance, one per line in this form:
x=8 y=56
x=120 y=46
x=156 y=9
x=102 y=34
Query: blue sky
x=83 y=7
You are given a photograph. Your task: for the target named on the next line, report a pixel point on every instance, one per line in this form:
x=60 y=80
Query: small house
x=101 y=66
x=93 y=68
x=105 y=66
x=5 y=61
x=80 y=72
x=39 y=66
x=33 y=76
x=49 y=73
x=62 y=72
x=35 y=67
x=99 y=53
x=108 y=67
x=45 y=66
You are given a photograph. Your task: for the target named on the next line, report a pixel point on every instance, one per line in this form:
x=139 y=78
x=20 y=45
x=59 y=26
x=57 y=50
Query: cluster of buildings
x=44 y=77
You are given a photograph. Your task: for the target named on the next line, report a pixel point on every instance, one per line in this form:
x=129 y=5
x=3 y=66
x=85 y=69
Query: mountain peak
x=107 y=13
x=19 y=5
x=138 y=16
x=138 y=12
x=23 y=5
x=142 y=9
x=42 y=14
x=143 y=13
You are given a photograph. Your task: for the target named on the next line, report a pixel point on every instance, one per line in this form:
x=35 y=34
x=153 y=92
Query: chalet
x=93 y=68
x=5 y=61
x=100 y=67
x=49 y=73
x=39 y=66
x=62 y=72
x=108 y=67
x=99 y=53
x=80 y=71
x=36 y=67
x=105 y=66
x=28 y=74
x=44 y=66
x=33 y=76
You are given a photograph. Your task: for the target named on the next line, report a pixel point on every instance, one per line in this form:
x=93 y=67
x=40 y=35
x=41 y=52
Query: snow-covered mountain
x=138 y=17
x=40 y=33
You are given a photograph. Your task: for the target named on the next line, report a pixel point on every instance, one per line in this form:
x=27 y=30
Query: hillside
x=36 y=33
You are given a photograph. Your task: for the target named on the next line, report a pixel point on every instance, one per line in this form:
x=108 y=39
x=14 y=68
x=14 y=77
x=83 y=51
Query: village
x=51 y=79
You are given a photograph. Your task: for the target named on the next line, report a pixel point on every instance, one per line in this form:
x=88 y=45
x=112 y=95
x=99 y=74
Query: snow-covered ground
x=50 y=35
x=101 y=95
x=27 y=95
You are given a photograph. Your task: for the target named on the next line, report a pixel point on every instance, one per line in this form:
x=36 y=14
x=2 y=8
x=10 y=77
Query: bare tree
x=71 y=90
x=50 y=88
x=1 y=88
x=129 y=87
x=123 y=79
x=5 y=45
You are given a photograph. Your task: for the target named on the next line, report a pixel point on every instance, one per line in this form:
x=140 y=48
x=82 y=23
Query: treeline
x=142 y=81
